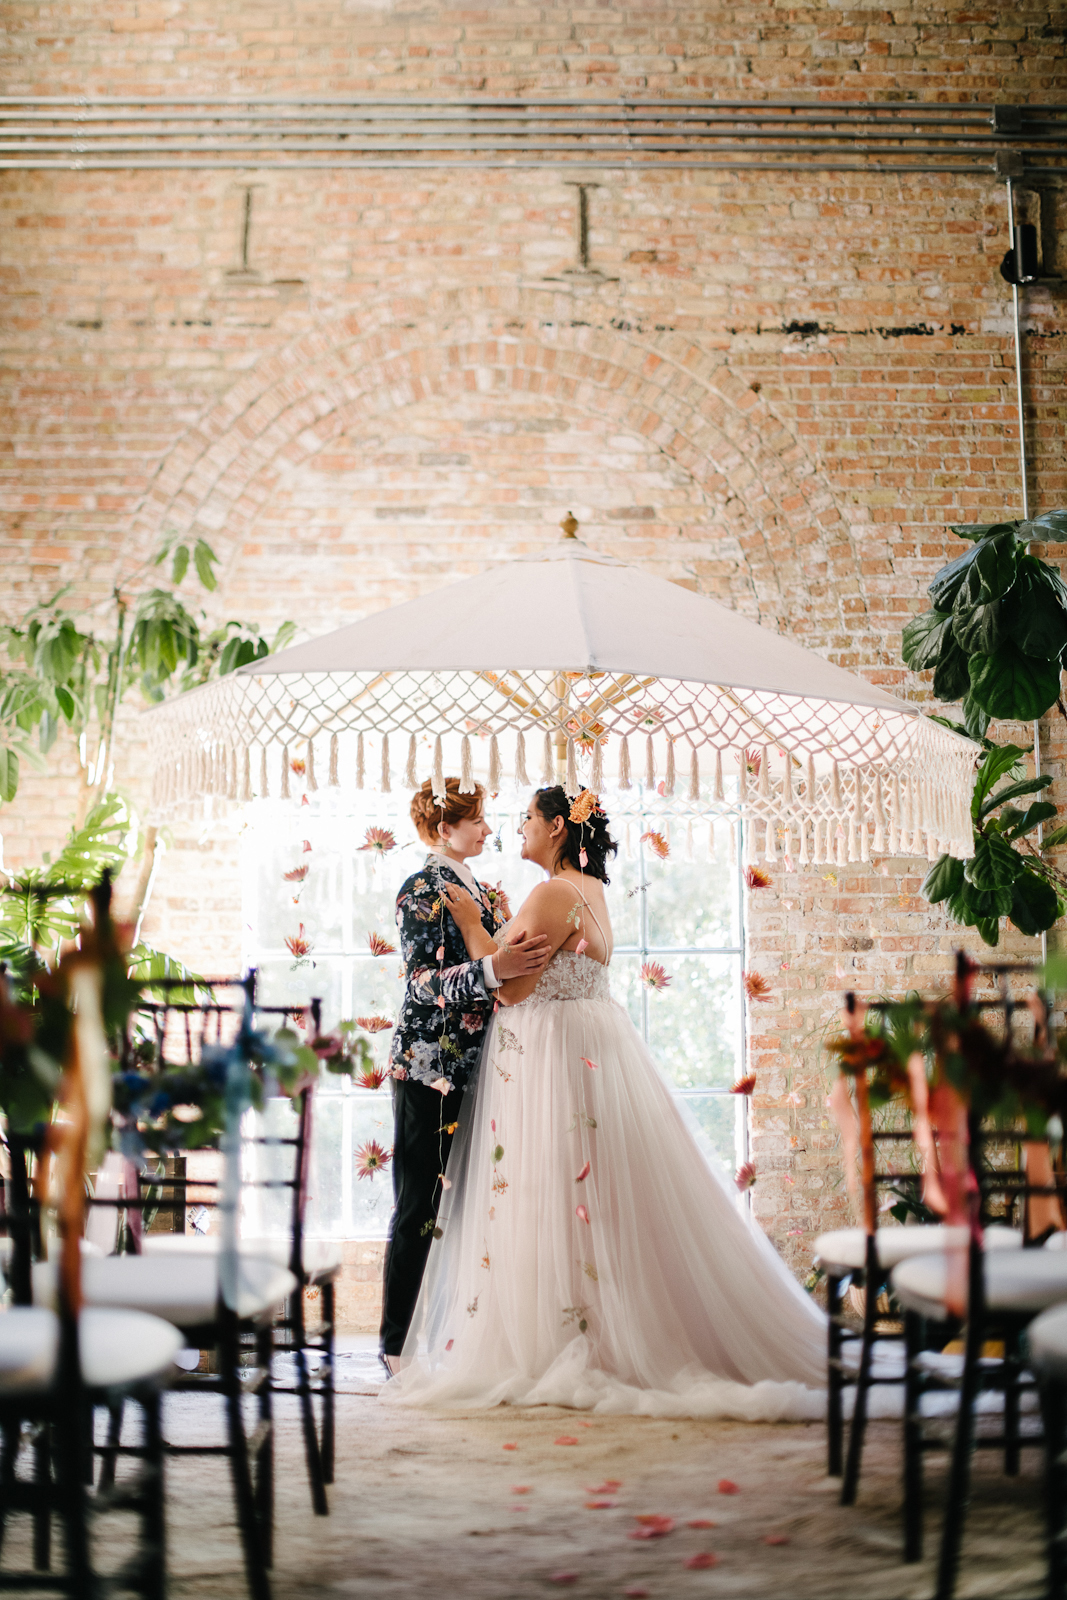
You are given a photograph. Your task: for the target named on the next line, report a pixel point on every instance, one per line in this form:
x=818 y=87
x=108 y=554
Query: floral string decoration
x=655 y=976
x=756 y=986
x=379 y=841
x=374 y=1024
x=756 y=878
x=300 y=947
x=298 y=766
x=296 y=874
x=371 y=1078
x=746 y=1176
x=379 y=946
x=372 y=1158
x=744 y=1085
x=657 y=844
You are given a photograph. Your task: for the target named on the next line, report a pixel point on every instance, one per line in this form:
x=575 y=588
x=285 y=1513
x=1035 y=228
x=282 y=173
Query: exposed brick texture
x=788 y=387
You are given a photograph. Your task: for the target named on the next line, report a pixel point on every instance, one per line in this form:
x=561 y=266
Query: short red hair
x=427 y=813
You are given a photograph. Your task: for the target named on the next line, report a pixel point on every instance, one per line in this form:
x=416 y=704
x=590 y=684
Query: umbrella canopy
x=585 y=671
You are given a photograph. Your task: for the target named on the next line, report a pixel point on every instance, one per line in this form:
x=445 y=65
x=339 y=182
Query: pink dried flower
x=380 y=840
x=756 y=986
x=371 y=1158
x=584 y=1173
x=298 y=944
x=306 y=847
x=657 y=844
x=582 y=1214
x=746 y=1177
x=373 y=1024
x=371 y=1078
x=744 y=1085
x=298 y=766
x=297 y=875
x=654 y=976
x=379 y=946
x=756 y=878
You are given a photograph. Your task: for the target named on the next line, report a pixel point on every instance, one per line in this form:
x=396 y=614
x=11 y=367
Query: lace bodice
x=570 y=976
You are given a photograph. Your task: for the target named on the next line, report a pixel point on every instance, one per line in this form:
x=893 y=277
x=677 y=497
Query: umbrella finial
x=570 y=526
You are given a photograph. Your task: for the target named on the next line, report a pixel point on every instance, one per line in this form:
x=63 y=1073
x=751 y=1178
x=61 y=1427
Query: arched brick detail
x=660 y=385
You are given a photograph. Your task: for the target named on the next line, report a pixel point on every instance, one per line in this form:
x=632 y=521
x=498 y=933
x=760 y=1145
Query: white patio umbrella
x=574 y=667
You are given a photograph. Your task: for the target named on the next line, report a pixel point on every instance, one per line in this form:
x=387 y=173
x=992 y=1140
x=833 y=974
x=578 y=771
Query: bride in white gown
x=587 y=1255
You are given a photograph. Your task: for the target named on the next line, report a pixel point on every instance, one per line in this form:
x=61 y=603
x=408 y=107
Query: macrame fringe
x=548 y=764
x=879 y=815
x=333 y=781
x=572 y=769
x=650 y=764
x=521 y=777
x=264 y=786
x=494 y=765
x=246 y=775
x=689 y=841
x=596 y=770
x=411 y=777
x=694 y=775
x=765 y=772
x=466 y=770
x=770 y=850
x=669 y=775
x=285 y=772
x=361 y=762
x=717 y=789
x=437 y=777
x=624 y=764
x=310 y=773
x=387 y=776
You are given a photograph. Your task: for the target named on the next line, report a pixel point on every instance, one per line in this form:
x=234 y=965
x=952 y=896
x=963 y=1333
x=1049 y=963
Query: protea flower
x=297 y=875
x=756 y=986
x=298 y=944
x=298 y=766
x=746 y=1176
x=583 y=806
x=371 y=1158
x=744 y=1085
x=380 y=840
x=657 y=844
x=373 y=1024
x=756 y=878
x=654 y=976
x=371 y=1078
x=379 y=946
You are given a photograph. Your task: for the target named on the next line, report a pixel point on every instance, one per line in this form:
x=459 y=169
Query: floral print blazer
x=446 y=1006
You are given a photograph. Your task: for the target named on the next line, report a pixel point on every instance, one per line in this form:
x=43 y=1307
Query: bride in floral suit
x=448 y=1001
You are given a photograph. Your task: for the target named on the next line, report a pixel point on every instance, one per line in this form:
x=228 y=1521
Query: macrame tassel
x=572 y=769
x=835 y=789
x=742 y=777
x=765 y=771
x=264 y=786
x=811 y=786
x=787 y=782
x=548 y=764
x=245 y=792
x=231 y=762
x=285 y=772
x=466 y=771
x=694 y=775
x=932 y=851
x=333 y=781
x=650 y=764
x=770 y=847
x=732 y=849
x=311 y=781
x=821 y=830
x=494 y=765
x=670 y=774
x=895 y=818
x=596 y=771
x=624 y=764
x=853 y=840
x=437 y=777
x=842 y=846
x=361 y=762
x=879 y=815
x=411 y=780
x=689 y=854
x=802 y=853
x=711 y=839
x=717 y=789
x=521 y=778
x=387 y=776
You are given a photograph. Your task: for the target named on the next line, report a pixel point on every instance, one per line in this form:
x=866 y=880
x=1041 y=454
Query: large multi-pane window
x=682 y=914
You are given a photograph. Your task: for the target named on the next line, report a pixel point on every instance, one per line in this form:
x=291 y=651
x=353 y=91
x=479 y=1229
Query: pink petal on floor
x=592 y=1065
x=777 y=1538
x=609 y=1486
x=600 y=1505
x=636 y=1591
x=727 y=1486
x=519 y=1488
x=702 y=1559
x=564 y=1438
x=519 y=1508
x=702 y=1522
x=449 y=1345
x=652 y=1527
x=583 y=1174
x=564 y=1577
x=581 y=1213
x=509 y=1447
x=587 y=1424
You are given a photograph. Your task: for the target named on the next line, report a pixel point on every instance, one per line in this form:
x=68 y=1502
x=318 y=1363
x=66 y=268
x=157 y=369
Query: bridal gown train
x=588 y=1254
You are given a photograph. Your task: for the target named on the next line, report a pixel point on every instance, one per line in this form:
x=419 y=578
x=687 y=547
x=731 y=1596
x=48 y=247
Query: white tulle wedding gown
x=588 y=1254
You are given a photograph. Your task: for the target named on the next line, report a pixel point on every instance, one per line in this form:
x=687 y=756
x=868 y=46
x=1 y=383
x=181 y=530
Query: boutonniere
x=497 y=902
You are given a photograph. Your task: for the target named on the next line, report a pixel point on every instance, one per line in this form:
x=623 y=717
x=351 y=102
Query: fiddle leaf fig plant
x=996 y=639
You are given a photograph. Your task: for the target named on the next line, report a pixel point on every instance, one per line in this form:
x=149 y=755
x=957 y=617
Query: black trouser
x=420 y=1151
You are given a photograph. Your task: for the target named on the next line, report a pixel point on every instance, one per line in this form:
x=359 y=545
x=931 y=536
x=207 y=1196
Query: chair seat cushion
x=845 y=1250
x=322 y=1257
x=1024 y=1281
x=184 y=1290
x=116 y=1347
x=1047 y=1338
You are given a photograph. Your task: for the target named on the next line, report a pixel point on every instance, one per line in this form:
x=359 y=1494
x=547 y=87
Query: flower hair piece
x=583 y=805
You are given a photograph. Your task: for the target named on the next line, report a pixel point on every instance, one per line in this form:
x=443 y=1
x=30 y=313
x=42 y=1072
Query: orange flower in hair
x=583 y=806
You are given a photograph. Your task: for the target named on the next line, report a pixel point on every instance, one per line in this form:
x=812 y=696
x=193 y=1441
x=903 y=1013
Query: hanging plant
x=996 y=639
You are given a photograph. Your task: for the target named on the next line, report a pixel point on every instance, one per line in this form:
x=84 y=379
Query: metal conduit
x=104 y=133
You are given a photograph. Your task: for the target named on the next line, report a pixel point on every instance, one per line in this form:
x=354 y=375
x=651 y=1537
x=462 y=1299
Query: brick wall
x=785 y=389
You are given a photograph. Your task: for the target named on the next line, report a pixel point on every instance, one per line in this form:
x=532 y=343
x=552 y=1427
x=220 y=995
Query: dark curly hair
x=592 y=836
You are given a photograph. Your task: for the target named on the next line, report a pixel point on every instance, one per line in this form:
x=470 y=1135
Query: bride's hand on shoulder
x=525 y=955
x=466 y=911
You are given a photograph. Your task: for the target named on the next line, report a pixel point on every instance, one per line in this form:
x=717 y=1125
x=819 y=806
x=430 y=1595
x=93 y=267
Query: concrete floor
x=429 y=1504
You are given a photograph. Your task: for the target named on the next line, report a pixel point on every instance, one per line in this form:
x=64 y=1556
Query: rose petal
x=727 y=1486
x=440 y=952
x=592 y=1065
x=656 y=1520
x=449 y=1345
x=509 y=1447
x=777 y=1538
x=564 y=1577
x=636 y=1591
x=587 y=1424
x=609 y=1486
x=581 y=946
x=583 y=858
x=565 y=1438
x=599 y=1505
x=702 y=1522
x=702 y=1559
x=519 y=1488
x=581 y=1213
x=519 y=1508
x=583 y=1174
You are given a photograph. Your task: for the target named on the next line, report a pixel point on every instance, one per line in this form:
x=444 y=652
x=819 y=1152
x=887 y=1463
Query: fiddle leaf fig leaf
x=977 y=631
x=1034 y=613
x=1041 y=811
x=944 y=878
x=989 y=929
x=975 y=720
x=992 y=766
x=1049 y=525
x=983 y=530
x=923 y=639
x=946 y=584
x=1013 y=791
x=1035 y=904
x=1055 y=839
x=1012 y=686
x=994 y=864
x=951 y=677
